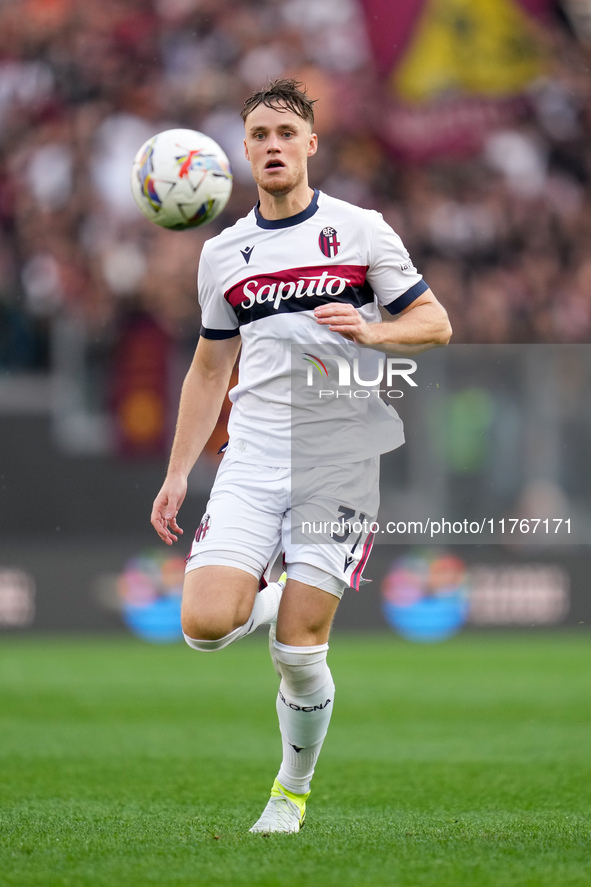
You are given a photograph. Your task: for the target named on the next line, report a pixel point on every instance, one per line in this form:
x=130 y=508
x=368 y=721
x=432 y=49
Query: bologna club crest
x=203 y=528
x=328 y=242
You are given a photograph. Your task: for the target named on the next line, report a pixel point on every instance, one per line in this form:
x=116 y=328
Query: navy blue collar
x=291 y=220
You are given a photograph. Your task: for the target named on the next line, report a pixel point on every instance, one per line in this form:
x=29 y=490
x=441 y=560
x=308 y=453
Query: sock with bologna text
x=304 y=709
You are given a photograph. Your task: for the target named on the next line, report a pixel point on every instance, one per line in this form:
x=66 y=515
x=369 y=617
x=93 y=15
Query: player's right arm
x=202 y=396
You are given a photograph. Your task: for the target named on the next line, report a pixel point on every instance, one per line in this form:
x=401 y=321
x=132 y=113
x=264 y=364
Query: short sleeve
x=391 y=273
x=218 y=319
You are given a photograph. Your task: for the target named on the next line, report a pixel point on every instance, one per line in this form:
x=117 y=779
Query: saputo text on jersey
x=322 y=285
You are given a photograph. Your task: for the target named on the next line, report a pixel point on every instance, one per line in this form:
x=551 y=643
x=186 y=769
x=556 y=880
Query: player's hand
x=166 y=507
x=345 y=320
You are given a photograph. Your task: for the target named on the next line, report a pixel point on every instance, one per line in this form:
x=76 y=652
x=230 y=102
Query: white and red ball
x=181 y=179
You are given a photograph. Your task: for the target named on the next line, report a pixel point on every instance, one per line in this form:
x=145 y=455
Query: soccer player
x=301 y=268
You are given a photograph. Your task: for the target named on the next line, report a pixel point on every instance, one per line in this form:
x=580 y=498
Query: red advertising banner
x=389 y=28
x=452 y=70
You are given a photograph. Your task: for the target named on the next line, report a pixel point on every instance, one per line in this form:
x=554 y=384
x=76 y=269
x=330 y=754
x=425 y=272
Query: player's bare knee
x=204 y=626
x=216 y=601
x=302 y=636
x=209 y=622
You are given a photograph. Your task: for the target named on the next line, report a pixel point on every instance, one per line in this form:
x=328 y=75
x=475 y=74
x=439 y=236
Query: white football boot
x=285 y=812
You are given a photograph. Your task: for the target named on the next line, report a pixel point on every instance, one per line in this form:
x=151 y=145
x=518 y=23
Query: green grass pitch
x=465 y=763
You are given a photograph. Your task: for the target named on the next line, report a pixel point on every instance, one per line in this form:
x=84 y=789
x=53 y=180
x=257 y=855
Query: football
x=181 y=179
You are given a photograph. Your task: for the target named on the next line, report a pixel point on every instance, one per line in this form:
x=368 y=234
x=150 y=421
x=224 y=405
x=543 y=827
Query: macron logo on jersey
x=247 y=253
x=298 y=289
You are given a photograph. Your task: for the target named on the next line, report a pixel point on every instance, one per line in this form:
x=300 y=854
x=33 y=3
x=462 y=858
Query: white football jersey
x=262 y=279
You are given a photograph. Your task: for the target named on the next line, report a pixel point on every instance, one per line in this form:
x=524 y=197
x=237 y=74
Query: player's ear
x=313 y=146
x=246 y=151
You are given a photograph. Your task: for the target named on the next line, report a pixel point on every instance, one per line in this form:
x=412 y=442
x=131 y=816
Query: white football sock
x=304 y=708
x=266 y=605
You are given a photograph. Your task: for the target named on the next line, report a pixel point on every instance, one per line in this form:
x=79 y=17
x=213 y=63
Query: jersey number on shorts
x=347 y=514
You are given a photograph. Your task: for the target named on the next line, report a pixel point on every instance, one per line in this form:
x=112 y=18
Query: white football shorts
x=320 y=518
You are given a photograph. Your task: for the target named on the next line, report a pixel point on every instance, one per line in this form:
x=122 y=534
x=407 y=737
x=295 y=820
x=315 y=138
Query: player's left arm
x=421 y=325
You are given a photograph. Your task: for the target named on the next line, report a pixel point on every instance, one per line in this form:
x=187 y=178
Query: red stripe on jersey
x=312 y=280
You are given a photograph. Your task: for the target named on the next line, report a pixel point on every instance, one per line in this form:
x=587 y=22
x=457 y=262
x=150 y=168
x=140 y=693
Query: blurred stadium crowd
x=501 y=236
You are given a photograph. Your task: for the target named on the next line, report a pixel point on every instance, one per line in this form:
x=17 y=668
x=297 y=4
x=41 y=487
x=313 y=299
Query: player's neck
x=282 y=206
